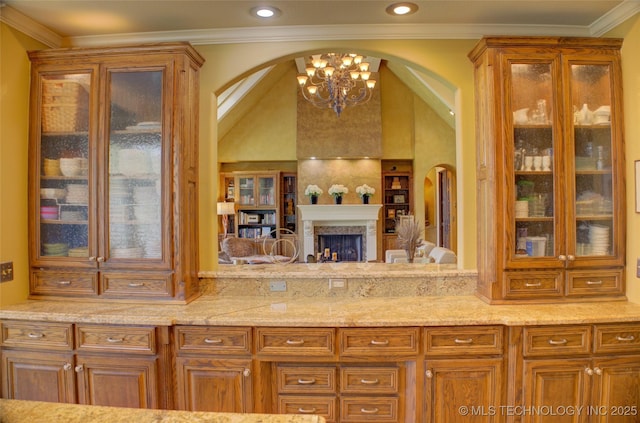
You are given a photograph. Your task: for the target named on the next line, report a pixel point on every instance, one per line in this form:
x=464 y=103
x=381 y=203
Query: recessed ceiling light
x=400 y=9
x=265 y=12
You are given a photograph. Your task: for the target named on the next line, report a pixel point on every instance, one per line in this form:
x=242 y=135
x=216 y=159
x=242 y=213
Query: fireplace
x=339 y=246
x=346 y=219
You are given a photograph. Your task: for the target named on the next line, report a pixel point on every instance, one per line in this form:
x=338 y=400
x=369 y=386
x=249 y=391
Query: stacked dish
x=599 y=240
x=53 y=193
x=77 y=194
x=58 y=249
x=75 y=166
x=79 y=252
x=49 y=212
x=133 y=161
x=51 y=167
x=72 y=215
x=602 y=115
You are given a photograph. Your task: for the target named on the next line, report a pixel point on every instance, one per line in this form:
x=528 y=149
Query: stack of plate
x=51 y=167
x=77 y=194
x=599 y=240
x=72 y=215
x=57 y=250
x=522 y=208
x=133 y=161
x=49 y=212
x=79 y=252
x=53 y=193
x=131 y=252
x=74 y=166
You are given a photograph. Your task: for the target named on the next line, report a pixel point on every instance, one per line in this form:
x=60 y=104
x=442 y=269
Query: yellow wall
x=14 y=114
x=225 y=63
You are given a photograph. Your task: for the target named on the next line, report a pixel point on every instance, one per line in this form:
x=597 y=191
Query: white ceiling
x=94 y=22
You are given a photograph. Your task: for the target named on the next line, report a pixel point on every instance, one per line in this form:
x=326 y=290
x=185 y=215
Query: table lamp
x=224 y=210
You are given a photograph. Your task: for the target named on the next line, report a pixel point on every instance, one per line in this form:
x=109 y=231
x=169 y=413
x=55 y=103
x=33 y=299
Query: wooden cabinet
x=257 y=209
x=465 y=365
x=213 y=369
x=575 y=367
x=550 y=169
x=113 y=172
x=397 y=197
x=110 y=365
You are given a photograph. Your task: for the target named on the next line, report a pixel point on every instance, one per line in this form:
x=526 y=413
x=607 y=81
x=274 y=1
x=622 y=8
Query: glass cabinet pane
x=135 y=165
x=591 y=101
x=64 y=166
x=266 y=191
x=246 y=190
x=533 y=167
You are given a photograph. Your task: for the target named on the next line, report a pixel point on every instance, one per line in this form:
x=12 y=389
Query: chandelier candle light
x=337 y=81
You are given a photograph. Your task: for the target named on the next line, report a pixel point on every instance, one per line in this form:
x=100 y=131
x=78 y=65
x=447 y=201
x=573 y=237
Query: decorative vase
x=338 y=199
x=314 y=199
x=365 y=199
x=411 y=252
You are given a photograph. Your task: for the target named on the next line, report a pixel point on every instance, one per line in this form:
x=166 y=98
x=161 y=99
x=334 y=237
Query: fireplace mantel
x=340 y=215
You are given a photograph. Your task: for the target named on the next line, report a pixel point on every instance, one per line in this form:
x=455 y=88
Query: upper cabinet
x=550 y=168
x=256 y=201
x=113 y=172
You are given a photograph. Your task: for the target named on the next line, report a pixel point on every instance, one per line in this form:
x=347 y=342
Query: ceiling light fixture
x=336 y=81
x=401 y=9
x=265 y=12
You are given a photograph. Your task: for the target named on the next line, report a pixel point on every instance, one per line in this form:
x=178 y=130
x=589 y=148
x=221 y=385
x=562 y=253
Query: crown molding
x=28 y=26
x=615 y=17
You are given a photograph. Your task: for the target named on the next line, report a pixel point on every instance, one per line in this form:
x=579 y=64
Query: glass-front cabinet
x=550 y=168
x=257 y=204
x=112 y=171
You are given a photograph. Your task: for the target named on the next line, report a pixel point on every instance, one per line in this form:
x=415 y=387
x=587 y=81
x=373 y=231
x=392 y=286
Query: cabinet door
x=534 y=189
x=214 y=385
x=136 y=211
x=245 y=187
x=554 y=384
x=452 y=384
x=266 y=191
x=123 y=381
x=616 y=393
x=38 y=376
x=64 y=231
x=594 y=162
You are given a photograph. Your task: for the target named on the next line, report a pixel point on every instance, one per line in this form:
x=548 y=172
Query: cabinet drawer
x=316 y=342
x=324 y=406
x=370 y=409
x=463 y=340
x=108 y=338
x=617 y=338
x=378 y=342
x=64 y=283
x=532 y=284
x=595 y=282
x=37 y=335
x=367 y=380
x=557 y=340
x=299 y=379
x=133 y=285
x=213 y=340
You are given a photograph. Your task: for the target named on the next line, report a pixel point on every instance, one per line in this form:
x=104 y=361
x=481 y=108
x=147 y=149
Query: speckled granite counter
x=14 y=411
x=326 y=312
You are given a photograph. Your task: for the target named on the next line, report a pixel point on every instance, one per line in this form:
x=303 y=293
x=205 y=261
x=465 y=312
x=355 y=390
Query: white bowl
x=53 y=193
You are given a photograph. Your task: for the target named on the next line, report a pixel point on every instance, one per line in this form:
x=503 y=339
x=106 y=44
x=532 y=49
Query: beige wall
x=226 y=63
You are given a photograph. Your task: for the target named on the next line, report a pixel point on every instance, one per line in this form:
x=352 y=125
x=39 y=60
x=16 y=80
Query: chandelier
x=336 y=81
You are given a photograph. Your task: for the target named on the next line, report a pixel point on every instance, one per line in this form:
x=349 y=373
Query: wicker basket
x=64 y=106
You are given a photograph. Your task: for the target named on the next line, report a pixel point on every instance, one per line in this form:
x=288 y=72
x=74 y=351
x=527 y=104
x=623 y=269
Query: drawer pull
x=625 y=338
x=136 y=284
x=369 y=381
x=35 y=335
x=64 y=283
x=533 y=284
x=560 y=342
x=463 y=341
x=307 y=381
x=594 y=282
x=212 y=341
x=115 y=340
x=374 y=342
x=306 y=410
x=292 y=342
x=373 y=410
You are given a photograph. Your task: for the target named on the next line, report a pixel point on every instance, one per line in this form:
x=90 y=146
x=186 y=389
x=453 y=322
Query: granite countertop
x=325 y=312
x=17 y=411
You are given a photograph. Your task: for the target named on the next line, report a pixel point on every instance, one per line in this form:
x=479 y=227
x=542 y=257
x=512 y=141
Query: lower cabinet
x=105 y=365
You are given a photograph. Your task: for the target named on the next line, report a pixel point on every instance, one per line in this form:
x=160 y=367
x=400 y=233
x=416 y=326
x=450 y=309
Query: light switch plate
x=6 y=271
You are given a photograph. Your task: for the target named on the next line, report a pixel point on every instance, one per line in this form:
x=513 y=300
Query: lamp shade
x=225 y=208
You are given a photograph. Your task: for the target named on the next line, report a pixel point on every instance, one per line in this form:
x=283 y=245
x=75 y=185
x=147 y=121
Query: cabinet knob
x=571 y=257
x=597 y=371
x=428 y=374
x=100 y=259
x=79 y=368
x=92 y=258
x=67 y=366
x=588 y=371
x=246 y=372
x=562 y=257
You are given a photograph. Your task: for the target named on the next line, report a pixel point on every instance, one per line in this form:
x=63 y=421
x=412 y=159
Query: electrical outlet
x=278 y=286
x=6 y=271
x=337 y=283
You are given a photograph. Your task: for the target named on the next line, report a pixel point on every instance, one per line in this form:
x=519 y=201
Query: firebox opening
x=340 y=247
